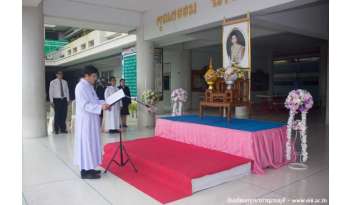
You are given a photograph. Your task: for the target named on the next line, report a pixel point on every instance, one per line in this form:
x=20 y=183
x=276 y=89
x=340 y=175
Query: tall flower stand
x=177 y=108
x=298 y=145
x=298 y=102
x=299 y=142
x=178 y=98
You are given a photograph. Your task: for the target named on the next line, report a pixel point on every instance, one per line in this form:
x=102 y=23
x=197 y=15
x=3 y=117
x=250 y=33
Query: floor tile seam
x=65 y=163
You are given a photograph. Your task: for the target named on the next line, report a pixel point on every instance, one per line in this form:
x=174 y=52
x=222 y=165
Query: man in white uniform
x=113 y=114
x=59 y=98
x=88 y=153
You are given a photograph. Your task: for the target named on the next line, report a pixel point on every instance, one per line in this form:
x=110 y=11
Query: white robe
x=112 y=116
x=87 y=151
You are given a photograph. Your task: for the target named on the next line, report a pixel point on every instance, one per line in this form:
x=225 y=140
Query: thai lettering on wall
x=185 y=11
x=176 y=14
x=182 y=15
x=217 y=3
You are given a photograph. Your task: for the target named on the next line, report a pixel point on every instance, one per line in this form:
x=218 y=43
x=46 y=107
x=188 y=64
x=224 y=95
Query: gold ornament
x=210 y=76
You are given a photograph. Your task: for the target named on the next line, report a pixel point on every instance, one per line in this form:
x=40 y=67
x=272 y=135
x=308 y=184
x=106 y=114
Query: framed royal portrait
x=236 y=43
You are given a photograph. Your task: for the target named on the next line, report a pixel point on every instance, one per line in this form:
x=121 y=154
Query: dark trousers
x=60 y=108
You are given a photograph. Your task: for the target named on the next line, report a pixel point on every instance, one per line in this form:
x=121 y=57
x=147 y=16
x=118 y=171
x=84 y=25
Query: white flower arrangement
x=179 y=95
x=150 y=97
x=230 y=74
x=298 y=101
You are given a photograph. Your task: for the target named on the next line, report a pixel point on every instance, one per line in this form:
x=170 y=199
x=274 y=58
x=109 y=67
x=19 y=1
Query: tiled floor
x=50 y=178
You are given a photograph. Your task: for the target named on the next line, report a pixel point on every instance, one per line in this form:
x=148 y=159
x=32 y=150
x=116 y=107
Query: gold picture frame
x=240 y=28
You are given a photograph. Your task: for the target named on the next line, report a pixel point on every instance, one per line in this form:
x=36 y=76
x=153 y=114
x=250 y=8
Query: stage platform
x=261 y=141
x=169 y=170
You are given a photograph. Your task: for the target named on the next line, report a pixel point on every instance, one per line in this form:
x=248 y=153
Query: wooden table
x=222 y=105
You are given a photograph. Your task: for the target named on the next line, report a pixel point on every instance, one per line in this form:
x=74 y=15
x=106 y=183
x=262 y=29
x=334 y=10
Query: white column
x=33 y=73
x=323 y=80
x=327 y=92
x=181 y=73
x=327 y=119
x=145 y=75
x=270 y=71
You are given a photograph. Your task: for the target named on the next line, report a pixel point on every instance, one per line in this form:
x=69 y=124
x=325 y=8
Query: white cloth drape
x=112 y=116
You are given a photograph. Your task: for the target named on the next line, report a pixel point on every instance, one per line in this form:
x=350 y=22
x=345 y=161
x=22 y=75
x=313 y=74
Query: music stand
x=122 y=149
x=122 y=162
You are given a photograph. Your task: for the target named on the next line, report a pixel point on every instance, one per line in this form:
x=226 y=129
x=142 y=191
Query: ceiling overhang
x=31 y=3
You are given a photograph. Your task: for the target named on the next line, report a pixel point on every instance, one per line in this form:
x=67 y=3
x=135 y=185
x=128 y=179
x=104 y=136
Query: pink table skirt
x=265 y=148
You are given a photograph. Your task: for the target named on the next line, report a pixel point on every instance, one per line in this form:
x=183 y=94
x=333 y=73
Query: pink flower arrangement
x=299 y=100
x=179 y=95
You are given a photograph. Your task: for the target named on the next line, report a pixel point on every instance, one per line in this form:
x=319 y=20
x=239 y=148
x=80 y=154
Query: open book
x=115 y=97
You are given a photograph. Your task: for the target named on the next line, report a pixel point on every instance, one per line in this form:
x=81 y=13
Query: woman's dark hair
x=240 y=40
x=89 y=70
x=112 y=78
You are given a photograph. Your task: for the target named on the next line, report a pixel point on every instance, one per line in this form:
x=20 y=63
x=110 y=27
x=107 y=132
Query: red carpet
x=166 y=167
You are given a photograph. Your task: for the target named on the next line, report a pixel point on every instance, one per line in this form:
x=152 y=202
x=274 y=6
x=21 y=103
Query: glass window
x=91 y=43
x=166 y=82
x=83 y=46
x=107 y=74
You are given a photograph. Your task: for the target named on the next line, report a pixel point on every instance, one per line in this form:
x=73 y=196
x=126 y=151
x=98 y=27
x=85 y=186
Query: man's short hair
x=89 y=70
x=122 y=79
x=59 y=72
x=103 y=79
x=112 y=78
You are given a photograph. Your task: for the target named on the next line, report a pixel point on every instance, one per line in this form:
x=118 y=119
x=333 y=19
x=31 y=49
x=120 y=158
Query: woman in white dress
x=112 y=116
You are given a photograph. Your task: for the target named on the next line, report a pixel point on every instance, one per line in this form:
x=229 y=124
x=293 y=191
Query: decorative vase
x=229 y=84
x=229 y=77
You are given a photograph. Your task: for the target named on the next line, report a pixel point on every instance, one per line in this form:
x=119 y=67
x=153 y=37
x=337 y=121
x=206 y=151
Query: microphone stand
x=135 y=99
